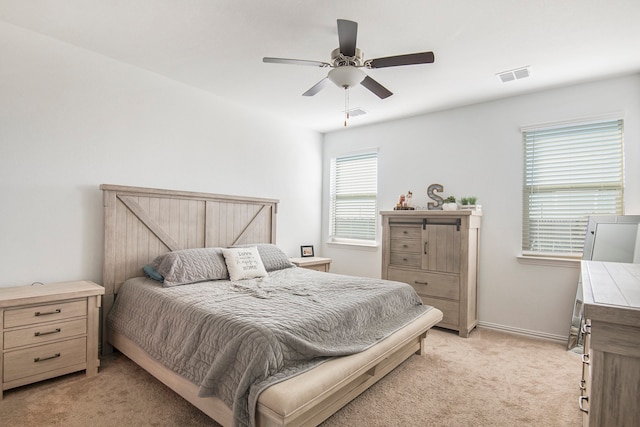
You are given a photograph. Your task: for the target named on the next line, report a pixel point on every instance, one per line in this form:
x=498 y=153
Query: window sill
x=549 y=261
x=355 y=245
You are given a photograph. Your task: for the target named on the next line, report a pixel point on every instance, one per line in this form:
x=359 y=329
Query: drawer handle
x=425 y=248
x=38 y=359
x=405 y=246
x=405 y=232
x=585 y=358
x=39 y=334
x=405 y=260
x=583 y=399
x=417 y=282
x=56 y=311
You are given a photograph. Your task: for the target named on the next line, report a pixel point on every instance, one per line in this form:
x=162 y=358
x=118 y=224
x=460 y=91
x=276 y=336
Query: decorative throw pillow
x=191 y=266
x=152 y=273
x=272 y=256
x=244 y=263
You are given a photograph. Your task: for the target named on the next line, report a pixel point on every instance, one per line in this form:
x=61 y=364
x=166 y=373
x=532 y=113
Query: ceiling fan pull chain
x=346 y=105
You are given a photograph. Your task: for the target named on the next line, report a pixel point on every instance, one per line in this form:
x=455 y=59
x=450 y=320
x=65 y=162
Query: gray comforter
x=234 y=339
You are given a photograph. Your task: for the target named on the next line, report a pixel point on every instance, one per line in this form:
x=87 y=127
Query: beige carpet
x=488 y=379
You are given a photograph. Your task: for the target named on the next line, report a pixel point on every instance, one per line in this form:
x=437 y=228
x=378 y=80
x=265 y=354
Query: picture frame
x=306 y=251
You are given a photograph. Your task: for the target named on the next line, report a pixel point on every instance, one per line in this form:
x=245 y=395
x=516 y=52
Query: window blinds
x=354 y=186
x=569 y=173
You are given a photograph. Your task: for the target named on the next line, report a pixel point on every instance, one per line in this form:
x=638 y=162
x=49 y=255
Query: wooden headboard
x=142 y=223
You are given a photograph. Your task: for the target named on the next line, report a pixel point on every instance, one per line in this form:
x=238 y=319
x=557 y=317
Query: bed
x=143 y=225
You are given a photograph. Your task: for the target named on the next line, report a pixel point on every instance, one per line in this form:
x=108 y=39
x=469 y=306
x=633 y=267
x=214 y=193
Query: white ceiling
x=218 y=45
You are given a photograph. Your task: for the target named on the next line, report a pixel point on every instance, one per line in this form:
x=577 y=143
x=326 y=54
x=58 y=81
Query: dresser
x=436 y=252
x=610 y=384
x=48 y=330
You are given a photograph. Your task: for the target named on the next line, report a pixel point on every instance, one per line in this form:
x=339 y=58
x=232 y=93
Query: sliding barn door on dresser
x=436 y=252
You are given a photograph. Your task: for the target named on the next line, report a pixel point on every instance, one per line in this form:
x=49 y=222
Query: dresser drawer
x=48 y=357
x=44 y=313
x=408 y=245
x=450 y=311
x=406 y=232
x=429 y=284
x=45 y=333
x=405 y=260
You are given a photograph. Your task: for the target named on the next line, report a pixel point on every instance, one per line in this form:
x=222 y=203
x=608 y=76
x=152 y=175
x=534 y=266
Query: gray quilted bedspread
x=234 y=339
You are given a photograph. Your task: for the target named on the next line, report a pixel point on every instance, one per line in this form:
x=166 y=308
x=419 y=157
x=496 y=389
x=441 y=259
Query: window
x=354 y=188
x=570 y=172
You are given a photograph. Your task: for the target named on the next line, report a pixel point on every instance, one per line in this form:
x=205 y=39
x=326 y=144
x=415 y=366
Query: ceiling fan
x=347 y=61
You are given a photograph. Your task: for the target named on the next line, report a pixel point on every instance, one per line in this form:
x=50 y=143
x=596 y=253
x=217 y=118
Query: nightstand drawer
x=313 y=263
x=322 y=267
x=429 y=284
x=45 y=333
x=48 y=357
x=44 y=313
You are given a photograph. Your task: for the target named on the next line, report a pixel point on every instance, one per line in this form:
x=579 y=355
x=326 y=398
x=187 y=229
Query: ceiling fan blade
x=317 y=87
x=295 y=62
x=375 y=87
x=347 y=35
x=408 y=59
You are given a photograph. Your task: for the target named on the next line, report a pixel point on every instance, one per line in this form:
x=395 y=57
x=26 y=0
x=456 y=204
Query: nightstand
x=47 y=331
x=313 y=263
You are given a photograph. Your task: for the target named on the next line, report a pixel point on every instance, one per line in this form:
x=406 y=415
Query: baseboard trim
x=525 y=332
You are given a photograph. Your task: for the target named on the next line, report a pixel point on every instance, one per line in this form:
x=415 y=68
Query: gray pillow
x=191 y=266
x=272 y=256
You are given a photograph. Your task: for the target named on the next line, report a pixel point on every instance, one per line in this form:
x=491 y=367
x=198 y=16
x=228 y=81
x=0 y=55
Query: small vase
x=449 y=206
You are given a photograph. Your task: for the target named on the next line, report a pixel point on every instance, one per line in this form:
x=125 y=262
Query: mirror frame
x=592 y=227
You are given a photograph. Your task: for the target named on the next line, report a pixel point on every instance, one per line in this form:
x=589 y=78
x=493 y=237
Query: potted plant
x=470 y=203
x=449 y=204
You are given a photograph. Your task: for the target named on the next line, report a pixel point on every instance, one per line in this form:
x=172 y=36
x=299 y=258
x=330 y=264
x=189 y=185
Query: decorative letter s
x=438 y=200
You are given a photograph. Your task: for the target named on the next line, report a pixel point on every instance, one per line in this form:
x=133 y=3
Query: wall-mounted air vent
x=517 y=74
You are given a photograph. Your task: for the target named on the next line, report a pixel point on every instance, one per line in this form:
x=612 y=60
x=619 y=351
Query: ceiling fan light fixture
x=346 y=76
x=346 y=62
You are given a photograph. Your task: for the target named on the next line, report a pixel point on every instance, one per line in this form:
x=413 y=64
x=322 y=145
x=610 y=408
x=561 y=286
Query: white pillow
x=244 y=263
x=272 y=256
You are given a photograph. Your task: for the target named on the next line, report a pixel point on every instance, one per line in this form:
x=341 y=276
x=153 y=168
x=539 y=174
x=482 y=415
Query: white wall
x=477 y=150
x=71 y=120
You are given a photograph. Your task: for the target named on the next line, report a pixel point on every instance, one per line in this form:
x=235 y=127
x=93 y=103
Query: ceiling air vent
x=355 y=112
x=511 y=75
